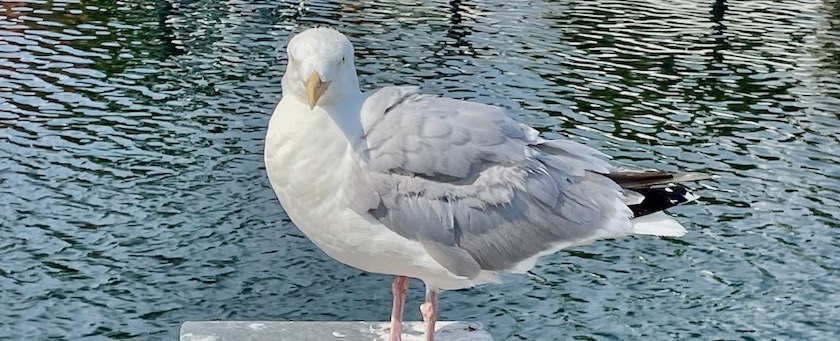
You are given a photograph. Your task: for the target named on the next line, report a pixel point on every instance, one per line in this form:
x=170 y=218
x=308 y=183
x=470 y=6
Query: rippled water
x=133 y=194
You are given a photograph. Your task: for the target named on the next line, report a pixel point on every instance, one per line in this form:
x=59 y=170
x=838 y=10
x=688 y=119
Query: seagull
x=452 y=192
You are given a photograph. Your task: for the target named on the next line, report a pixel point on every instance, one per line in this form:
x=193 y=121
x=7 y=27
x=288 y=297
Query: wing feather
x=479 y=190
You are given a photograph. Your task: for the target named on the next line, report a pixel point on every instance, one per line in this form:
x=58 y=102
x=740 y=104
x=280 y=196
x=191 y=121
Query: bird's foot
x=395 y=337
x=429 y=310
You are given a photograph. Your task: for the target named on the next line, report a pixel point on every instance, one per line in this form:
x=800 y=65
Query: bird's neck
x=345 y=114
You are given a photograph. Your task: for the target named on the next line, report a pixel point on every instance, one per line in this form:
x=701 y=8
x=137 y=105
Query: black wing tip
x=661 y=198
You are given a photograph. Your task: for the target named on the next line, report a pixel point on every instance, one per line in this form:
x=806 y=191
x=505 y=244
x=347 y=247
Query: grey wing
x=477 y=189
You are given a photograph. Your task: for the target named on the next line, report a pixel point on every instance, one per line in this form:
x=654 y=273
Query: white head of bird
x=320 y=70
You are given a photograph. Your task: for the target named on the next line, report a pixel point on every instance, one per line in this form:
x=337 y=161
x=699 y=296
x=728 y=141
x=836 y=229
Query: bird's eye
x=343 y=59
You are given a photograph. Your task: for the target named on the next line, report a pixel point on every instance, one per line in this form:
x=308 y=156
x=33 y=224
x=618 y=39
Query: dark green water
x=133 y=194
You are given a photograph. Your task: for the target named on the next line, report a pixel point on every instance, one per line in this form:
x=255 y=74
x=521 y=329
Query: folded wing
x=479 y=190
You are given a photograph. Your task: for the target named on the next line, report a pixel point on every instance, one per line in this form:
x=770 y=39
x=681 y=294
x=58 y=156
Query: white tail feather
x=658 y=224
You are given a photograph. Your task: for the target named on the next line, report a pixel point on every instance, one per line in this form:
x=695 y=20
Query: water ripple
x=133 y=195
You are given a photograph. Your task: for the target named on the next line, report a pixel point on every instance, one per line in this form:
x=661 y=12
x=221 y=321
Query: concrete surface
x=324 y=331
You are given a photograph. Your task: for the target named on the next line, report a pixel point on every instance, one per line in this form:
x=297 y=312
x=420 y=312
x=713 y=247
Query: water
x=133 y=194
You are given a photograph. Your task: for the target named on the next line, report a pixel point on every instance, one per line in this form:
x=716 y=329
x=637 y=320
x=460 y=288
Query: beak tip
x=315 y=88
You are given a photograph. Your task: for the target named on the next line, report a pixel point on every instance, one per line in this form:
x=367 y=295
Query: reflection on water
x=133 y=196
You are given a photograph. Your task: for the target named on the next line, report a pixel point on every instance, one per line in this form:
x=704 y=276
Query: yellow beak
x=315 y=88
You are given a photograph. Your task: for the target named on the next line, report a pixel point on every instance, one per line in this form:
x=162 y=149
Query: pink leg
x=429 y=309
x=399 y=289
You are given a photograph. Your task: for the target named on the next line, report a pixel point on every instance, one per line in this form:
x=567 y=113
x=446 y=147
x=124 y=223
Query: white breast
x=303 y=151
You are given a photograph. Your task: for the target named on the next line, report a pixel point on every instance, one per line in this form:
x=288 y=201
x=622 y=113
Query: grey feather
x=477 y=189
x=453 y=257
